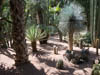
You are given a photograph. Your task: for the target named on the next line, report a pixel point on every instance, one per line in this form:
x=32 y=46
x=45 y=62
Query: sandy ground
x=44 y=62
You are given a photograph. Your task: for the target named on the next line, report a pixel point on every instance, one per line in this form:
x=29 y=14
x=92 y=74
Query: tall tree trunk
x=70 y=40
x=18 y=31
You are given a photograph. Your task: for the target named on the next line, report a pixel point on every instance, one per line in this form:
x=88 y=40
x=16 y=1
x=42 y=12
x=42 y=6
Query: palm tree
x=18 y=31
x=71 y=20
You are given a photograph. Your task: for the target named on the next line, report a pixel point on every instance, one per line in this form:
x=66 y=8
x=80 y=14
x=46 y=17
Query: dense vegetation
x=37 y=20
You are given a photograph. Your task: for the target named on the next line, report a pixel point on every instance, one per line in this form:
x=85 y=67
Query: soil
x=44 y=61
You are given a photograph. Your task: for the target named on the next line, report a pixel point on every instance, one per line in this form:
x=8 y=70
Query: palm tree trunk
x=18 y=31
x=34 y=46
x=70 y=40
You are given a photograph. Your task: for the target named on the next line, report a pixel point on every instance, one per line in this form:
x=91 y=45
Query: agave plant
x=34 y=33
x=72 y=20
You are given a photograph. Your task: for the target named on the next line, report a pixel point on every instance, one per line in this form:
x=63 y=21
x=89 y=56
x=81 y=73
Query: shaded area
x=40 y=53
x=27 y=69
x=49 y=62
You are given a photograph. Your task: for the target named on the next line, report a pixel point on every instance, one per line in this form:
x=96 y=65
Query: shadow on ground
x=7 y=52
x=27 y=69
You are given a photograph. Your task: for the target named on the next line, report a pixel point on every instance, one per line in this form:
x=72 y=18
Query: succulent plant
x=96 y=69
x=59 y=64
x=34 y=33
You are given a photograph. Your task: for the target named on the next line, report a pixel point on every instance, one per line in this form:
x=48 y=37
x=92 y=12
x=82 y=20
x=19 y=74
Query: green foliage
x=47 y=29
x=87 y=38
x=72 y=17
x=59 y=64
x=5 y=24
x=55 y=9
x=34 y=33
x=32 y=9
x=96 y=69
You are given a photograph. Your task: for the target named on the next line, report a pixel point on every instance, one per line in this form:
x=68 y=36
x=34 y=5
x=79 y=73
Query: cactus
x=55 y=48
x=96 y=69
x=59 y=64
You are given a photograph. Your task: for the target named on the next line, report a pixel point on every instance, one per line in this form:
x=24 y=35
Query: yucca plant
x=34 y=33
x=72 y=20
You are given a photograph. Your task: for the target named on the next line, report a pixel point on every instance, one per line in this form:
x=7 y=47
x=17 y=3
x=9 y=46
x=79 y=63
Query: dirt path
x=44 y=62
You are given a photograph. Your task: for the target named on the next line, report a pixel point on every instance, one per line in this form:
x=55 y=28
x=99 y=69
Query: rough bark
x=18 y=31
